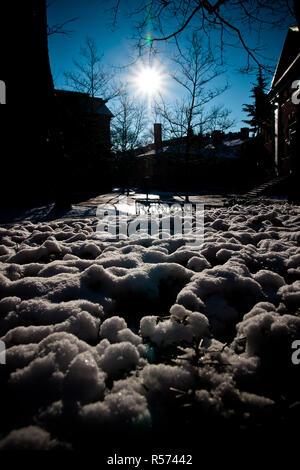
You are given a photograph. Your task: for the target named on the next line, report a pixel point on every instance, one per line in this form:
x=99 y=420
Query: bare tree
x=129 y=123
x=196 y=70
x=127 y=133
x=217 y=119
x=231 y=19
x=90 y=75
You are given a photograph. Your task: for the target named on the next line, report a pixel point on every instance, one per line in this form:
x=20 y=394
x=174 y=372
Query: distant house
x=283 y=137
x=218 y=144
x=209 y=158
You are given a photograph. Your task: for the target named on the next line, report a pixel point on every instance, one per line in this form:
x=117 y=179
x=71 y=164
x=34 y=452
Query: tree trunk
x=29 y=110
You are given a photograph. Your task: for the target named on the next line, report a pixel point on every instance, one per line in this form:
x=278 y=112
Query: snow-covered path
x=107 y=335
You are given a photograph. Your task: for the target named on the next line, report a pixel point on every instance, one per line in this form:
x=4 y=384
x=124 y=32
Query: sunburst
x=149 y=80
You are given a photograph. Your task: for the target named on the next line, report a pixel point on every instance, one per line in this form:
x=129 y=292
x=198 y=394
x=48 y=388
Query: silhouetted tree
x=90 y=75
x=259 y=111
x=129 y=123
x=196 y=69
x=127 y=132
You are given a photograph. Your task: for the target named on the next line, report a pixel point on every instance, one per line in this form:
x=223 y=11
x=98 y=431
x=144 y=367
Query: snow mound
x=30 y=438
x=138 y=334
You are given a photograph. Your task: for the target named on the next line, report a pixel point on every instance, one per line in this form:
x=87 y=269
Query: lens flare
x=148 y=40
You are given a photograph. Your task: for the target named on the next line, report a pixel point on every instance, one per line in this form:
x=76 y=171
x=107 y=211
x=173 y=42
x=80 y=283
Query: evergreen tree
x=258 y=112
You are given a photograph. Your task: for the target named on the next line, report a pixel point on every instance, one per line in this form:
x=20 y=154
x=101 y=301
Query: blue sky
x=117 y=47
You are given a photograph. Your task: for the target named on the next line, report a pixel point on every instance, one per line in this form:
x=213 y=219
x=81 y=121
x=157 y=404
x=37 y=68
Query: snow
x=108 y=335
x=158 y=378
x=173 y=331
x=83 y=380
x=119 y=358
x=30 y=438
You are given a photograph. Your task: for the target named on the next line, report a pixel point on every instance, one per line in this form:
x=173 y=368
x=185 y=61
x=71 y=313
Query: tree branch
x=248 y=50
x=182 y=27
x=59 y=28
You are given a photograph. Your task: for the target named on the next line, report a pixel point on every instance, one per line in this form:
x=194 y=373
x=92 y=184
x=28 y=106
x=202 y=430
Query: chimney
x=244 y=133
x=157 y=137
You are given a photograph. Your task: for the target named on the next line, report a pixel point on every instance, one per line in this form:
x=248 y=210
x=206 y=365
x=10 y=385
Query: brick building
x=84 y=125
x=283 y=135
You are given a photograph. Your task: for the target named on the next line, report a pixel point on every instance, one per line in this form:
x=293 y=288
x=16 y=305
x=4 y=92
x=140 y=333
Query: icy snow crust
x=144 y=335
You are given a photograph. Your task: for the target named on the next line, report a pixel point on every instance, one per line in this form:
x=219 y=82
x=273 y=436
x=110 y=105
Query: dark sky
x=117 y=45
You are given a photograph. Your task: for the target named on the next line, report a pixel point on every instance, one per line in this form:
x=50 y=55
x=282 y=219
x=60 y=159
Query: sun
x=149 y=80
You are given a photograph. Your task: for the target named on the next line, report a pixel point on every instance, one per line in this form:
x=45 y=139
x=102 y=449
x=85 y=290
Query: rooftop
x=84 y=102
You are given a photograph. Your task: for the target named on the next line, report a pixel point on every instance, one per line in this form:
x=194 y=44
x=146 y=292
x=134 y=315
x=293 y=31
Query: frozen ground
x=141 y=336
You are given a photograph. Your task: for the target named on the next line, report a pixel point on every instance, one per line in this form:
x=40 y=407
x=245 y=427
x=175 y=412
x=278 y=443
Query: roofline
x=273 y=87
x=74 y=92
x=293 y=29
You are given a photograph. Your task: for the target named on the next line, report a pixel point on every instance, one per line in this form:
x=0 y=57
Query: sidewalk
x=114 y=197
x=123 y=203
